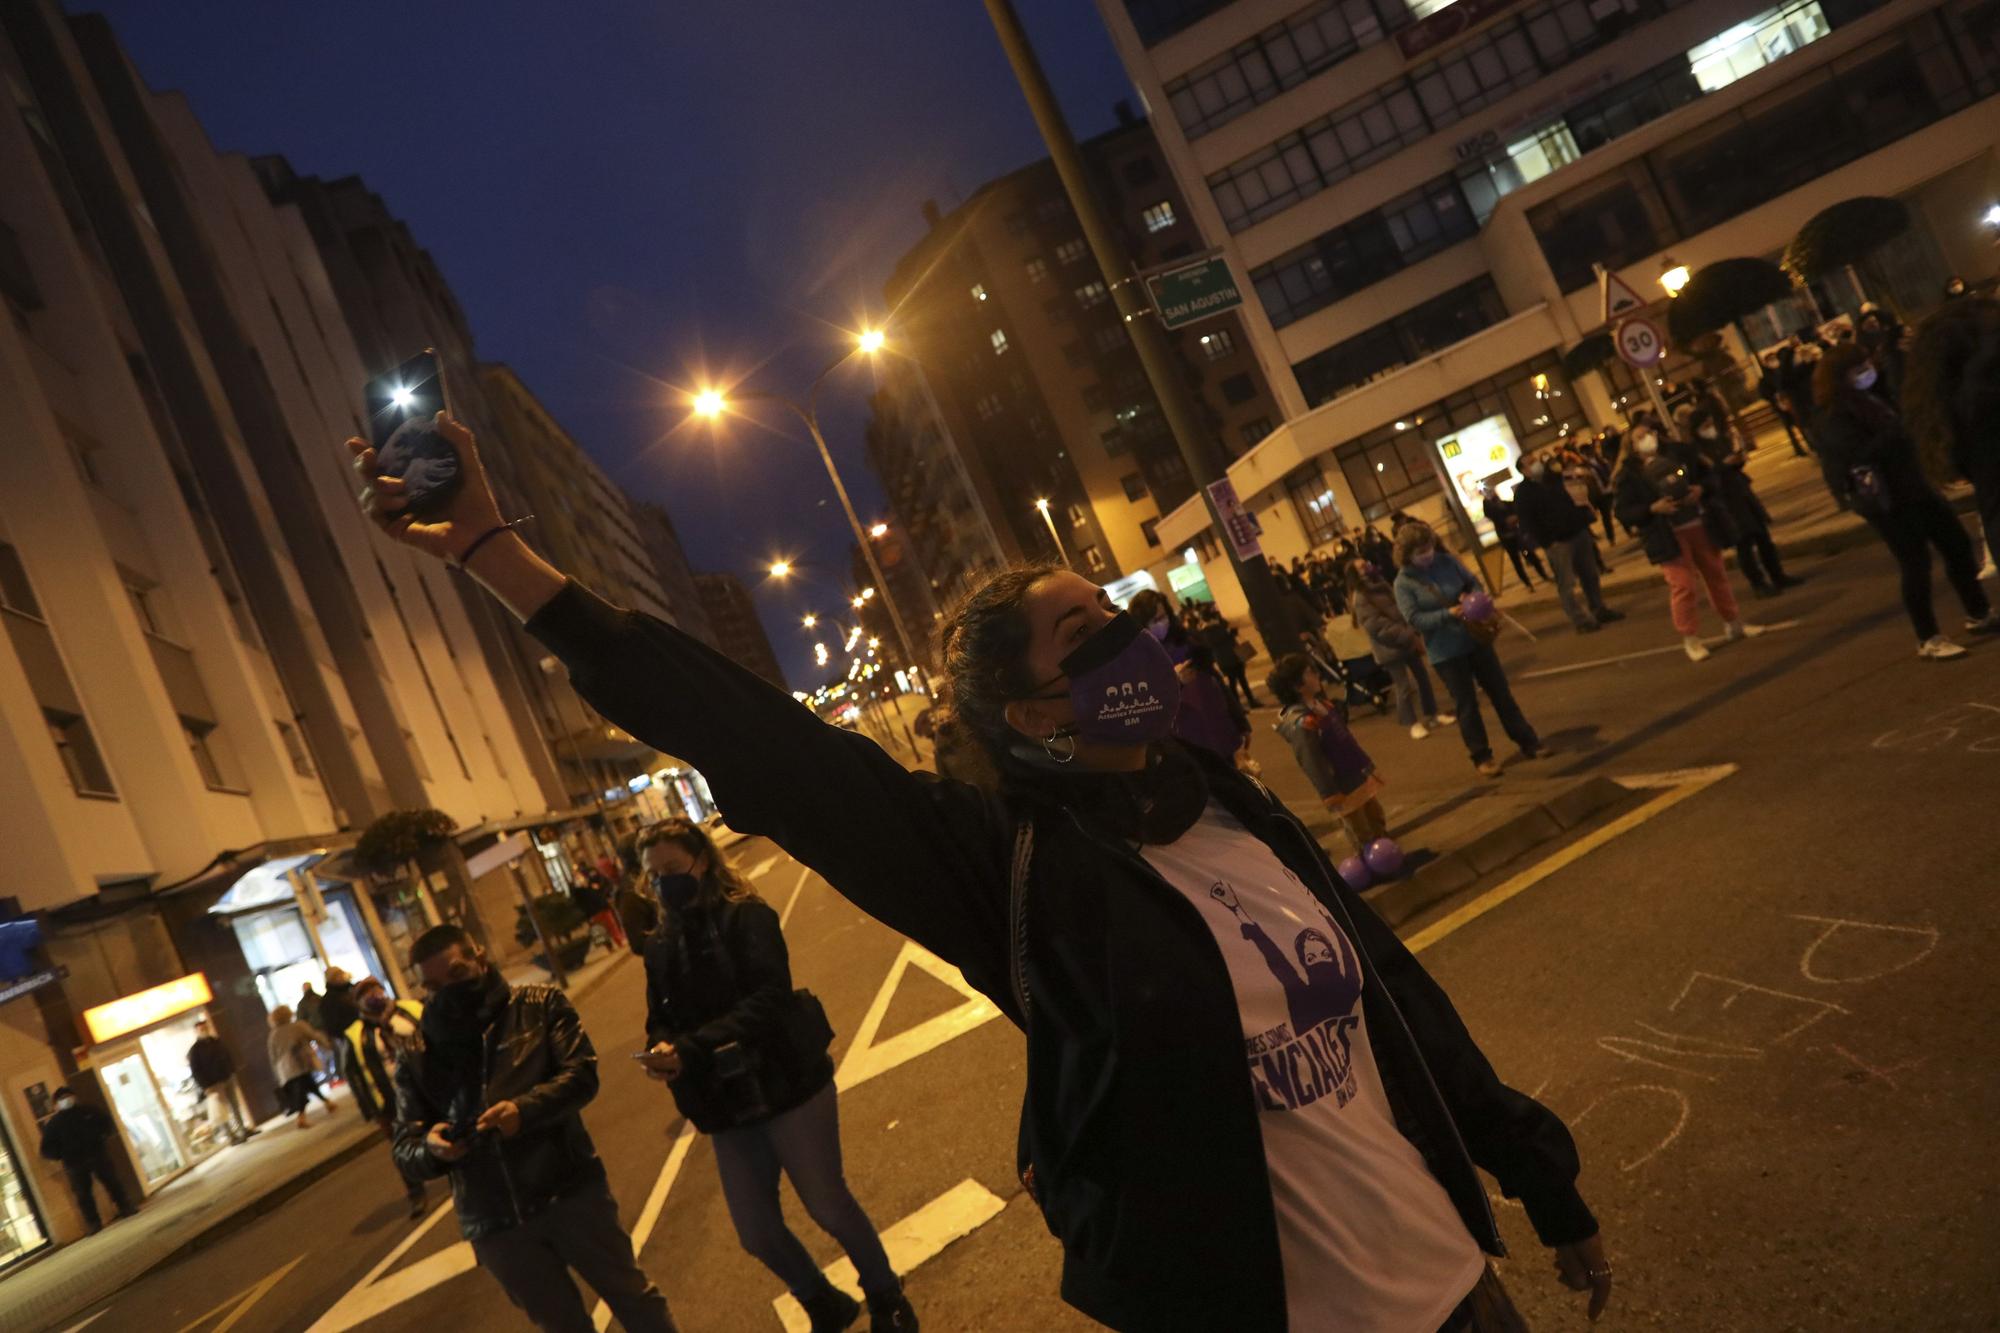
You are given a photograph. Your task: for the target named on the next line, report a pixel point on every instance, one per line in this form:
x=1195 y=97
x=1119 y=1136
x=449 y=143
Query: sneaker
x=1738 y=630
x=832 y=1310
x=1606 y=616
x=1538 y=751
x=1489 y=768
x=890 y=1312
x=1989 y=570
x=1445 y=719
x=1986 y=624
x=1418 y=731
x=1697 y=651
x=1939 y=649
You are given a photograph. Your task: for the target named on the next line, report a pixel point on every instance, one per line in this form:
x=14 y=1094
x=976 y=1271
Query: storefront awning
x=266 y=884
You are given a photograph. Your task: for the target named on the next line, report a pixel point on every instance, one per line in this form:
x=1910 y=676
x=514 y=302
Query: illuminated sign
x=144 y=1008
x=1483 y=453
x=640 y=783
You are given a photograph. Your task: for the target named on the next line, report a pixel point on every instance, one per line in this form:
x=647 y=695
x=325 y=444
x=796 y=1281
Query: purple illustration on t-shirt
x=1295 y=1064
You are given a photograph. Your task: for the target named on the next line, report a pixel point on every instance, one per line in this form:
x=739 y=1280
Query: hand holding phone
x=662 y=1061
x=403 y=410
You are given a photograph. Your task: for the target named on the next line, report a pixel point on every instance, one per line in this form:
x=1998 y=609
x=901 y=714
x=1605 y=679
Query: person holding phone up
x=493 y=1099
x=745 y=1057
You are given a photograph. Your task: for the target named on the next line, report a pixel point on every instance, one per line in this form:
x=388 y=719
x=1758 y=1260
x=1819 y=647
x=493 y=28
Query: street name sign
x=1194 y=291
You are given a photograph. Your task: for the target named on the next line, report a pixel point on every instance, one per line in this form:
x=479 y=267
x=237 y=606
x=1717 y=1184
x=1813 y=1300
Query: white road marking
x=239 y=1304
x=1715 y=642
x=1696 y=781
x=763 y=867
x=369 y=1297
x=649 y=1216
x=921 y=1236
x=866 y=1057
x=76 y=1327
x=805 y=873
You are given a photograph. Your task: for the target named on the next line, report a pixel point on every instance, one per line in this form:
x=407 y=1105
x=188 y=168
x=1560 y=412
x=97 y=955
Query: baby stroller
x=1353 y=680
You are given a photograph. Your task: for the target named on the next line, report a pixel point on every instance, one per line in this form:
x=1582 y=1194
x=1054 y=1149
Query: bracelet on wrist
x=465 y=556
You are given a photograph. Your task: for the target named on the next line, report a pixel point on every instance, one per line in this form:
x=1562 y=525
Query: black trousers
x=1757 y=556
x=1239 y=680
x=1910 y=530
x=79 y=1175
x=1517 y=554
x=532 y=1262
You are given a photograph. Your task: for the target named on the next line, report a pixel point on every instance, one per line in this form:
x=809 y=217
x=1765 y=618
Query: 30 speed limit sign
x=1640 y=343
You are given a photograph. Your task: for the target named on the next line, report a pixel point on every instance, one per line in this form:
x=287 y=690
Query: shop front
x=292 y=926
x=22 y=1232
x=139 y=1045
x=23 y=1229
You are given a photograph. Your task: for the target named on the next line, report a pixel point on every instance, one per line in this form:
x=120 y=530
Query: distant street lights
x=1043 y=505
x=712 y=403
x=1673 y=276
x=781 y=569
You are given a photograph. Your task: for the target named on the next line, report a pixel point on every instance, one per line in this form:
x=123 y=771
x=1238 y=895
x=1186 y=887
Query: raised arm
x=924 y=856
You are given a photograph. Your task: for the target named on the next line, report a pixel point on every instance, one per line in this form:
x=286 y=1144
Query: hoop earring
x=1049 y=746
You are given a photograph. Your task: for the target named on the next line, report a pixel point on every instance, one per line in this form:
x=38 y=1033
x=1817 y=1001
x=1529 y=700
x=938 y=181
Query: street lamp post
x=1043 y=505
x=711 y=403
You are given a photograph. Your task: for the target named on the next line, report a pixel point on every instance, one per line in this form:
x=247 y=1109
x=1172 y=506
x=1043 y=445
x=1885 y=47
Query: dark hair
x=984 y=646
x=721 y=882
x=1287 y=678
x=1312 y=933
x=1830 y=375
x=436 y=940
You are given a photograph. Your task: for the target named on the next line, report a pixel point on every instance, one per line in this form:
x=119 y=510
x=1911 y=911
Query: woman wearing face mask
x=1668 y=493
x=1398 y=647
x=1150 y=609
x=745 y=1057
x=1756 y=554
x=1872 y=461
x=1125 y=900
x=1430 y=588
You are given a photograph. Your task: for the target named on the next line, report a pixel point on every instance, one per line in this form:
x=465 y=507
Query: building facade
x=1417 y=193
x=670 y=565
x=1032 y=380
x=739 y=634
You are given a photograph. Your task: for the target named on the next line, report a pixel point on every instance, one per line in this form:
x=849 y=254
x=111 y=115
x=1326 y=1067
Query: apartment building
x=1031 y=377
x=670 y=563
x=1417 y=193
x=739 y=634
x=214 y=672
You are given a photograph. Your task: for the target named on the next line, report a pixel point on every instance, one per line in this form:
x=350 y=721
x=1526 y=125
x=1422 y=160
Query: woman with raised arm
x=1158 y=925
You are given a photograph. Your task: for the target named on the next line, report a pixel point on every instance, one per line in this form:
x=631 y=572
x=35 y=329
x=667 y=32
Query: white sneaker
x=1445 y=719
x=1989 y=570
x=1418 y=731
x=1738 y=630
x=1986 y=624
x=1939 y=649
x=1697 y=651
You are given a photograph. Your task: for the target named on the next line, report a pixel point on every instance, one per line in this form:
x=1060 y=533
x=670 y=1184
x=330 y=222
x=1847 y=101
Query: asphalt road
x=1764 y=1006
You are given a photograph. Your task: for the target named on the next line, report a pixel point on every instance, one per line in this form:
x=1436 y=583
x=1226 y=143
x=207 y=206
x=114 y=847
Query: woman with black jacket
x=1667 y=492
x=1872 y=463
x=1756 y=554
x=1247 y=1107
x=746 y=1059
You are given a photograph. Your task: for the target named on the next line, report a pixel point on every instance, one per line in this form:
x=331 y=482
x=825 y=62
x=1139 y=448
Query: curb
x=1458 y=871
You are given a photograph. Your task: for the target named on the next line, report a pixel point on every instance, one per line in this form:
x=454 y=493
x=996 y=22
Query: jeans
x=1911 y=529
x=1575 y=561
x=1699 y=562
x=1239 y=680
x=1481 y=668
x=1757 y=556
x=532 y=1261
x=1412 y=683
x=79 y=1175
x=804 y=1144
x=1522 y=558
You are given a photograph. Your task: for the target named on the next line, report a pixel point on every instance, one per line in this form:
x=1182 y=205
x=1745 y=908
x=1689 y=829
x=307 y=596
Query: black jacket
x=1634 y=495
x=1139 y=1120
x=209 y=1062
x=337 y=1010
x=1856 y=430
x=719 y=975
x=1548 y=515
x=1739 y=495
x=534 y=1053
x=76 y=1137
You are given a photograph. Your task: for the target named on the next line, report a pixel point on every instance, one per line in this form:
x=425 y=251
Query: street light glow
x=879 y=530
x=709 y=403
x=1043 y=505
x=857 y=603
x=810 y=620
x=867 y=594
x=781 y=569
x=1992 y=218
x=1674 y=278
x=871 y=341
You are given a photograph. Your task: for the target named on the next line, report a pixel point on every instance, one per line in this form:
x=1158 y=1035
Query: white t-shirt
x=1369 y=1239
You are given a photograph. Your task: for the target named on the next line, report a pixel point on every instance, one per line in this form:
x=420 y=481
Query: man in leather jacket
x=493 y=1100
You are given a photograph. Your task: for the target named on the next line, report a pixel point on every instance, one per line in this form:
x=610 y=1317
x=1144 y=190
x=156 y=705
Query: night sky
x=625 y=194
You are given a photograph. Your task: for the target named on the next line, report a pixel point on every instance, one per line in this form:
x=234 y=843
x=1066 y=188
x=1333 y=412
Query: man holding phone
x=493 y=1100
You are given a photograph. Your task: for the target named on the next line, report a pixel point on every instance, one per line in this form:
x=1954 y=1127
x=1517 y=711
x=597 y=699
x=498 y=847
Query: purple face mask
x=1122 y=685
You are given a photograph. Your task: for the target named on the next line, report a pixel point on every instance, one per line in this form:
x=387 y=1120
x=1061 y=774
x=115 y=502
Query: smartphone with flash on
x=402 y=409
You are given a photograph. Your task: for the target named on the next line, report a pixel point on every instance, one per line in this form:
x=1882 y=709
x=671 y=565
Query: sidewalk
x=231 y=1188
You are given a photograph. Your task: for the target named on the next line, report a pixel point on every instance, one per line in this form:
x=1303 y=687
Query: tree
x=398 y=841
x=1844 y=235
x=1593 y=353
x=1719 y=295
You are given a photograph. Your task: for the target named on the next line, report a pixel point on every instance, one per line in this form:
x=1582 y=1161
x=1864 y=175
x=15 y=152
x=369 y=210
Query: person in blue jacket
x=1429 y=583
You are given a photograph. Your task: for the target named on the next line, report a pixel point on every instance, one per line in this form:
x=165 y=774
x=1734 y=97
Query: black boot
x=890 y=1312
x=832 y=1310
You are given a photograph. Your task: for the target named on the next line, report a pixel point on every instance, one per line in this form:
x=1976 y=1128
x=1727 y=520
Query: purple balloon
x=1477 y=605
x=1355 y=871
x=1384 y=857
